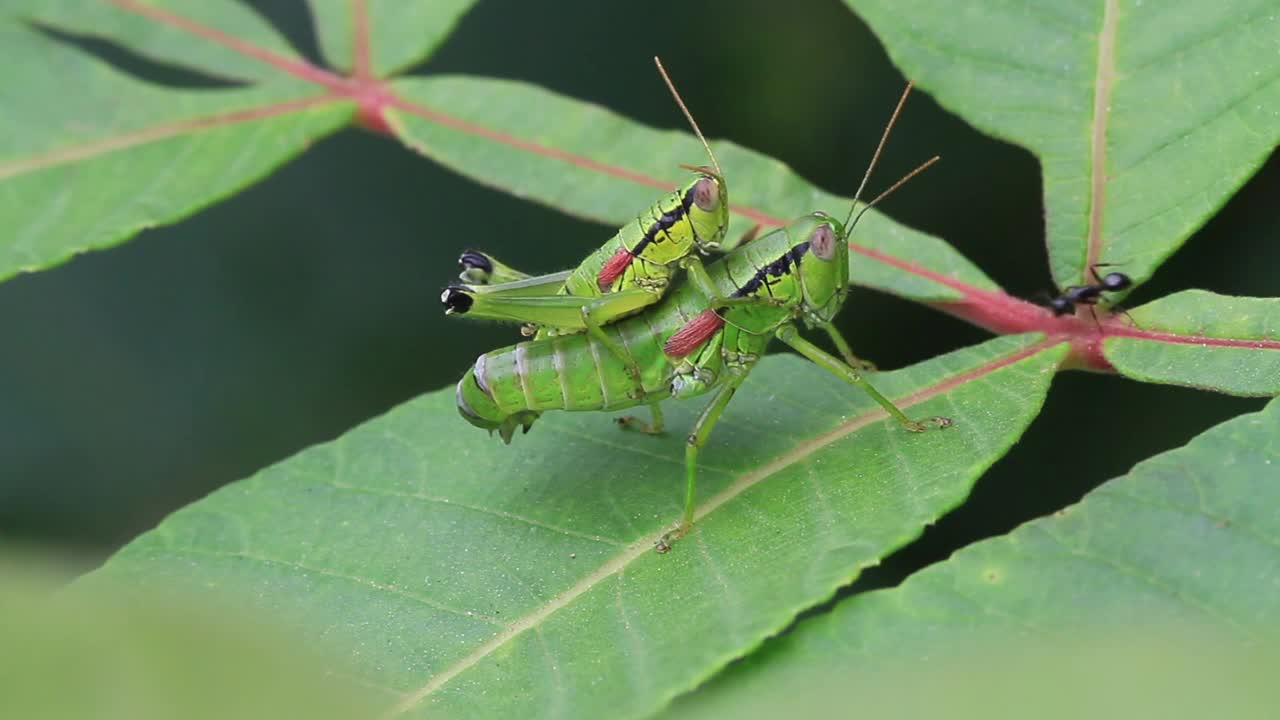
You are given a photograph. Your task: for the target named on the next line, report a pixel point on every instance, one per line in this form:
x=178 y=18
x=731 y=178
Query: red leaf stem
x=993 y=310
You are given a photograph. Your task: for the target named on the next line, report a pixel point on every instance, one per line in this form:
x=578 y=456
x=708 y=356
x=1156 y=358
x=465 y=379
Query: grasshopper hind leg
x=597 y=312
x=478 y=268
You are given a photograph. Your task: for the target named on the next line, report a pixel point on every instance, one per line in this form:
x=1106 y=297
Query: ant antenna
x=919 y=169
x=688 y=115
x=884 y=138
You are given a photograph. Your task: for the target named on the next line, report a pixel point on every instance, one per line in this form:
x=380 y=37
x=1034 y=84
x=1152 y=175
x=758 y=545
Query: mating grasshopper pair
x=618 y=331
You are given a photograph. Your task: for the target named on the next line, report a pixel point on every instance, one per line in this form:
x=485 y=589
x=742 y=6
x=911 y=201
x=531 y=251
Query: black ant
x=1090 y=295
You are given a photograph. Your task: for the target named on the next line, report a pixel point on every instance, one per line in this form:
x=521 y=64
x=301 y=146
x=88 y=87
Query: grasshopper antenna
x=689 y=116
x=884 y=138
x=919 y=169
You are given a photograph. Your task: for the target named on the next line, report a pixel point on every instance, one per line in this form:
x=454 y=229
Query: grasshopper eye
x=706 y=194
x=822 y=241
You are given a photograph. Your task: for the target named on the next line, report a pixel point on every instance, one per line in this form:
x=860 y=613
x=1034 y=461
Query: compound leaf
x=1146 y=116
x=1204 y=340
x=474 y=579
x=587 y=161
x=1180 y=555
x=395 y=34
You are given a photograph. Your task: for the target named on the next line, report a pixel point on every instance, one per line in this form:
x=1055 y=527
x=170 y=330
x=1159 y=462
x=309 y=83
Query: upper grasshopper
x=629 y=273
x=691 y=343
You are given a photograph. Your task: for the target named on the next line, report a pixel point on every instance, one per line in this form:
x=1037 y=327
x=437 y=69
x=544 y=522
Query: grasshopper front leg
x=789 y=335
x=699 y=278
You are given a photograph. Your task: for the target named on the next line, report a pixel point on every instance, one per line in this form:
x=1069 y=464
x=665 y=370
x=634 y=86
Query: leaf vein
x=155 y=133
x=494 y=512
x=1147 y=578
x=1227 y=522
x=734 y=491
x=357 y=579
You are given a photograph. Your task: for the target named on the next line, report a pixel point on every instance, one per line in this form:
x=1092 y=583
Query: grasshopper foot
x=631 y=422
x=937 y=421
x=637 y=391
x=665 y=542
x=861 y=365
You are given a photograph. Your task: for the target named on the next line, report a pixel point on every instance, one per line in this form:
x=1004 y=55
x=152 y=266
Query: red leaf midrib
x=993 y=310
x=1205 y=340
x=362 y=62
x=298 y=68
x=162 y=131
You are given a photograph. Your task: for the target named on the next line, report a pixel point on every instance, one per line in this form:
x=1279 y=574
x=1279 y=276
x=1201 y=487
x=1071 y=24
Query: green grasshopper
x=630 y=272
x=691 y=343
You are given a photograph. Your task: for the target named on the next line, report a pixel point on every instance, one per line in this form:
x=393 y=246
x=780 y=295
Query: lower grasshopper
x=629 y=273
x=690 y=344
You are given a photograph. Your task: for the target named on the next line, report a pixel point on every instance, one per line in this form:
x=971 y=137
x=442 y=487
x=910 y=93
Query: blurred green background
x=136 y=380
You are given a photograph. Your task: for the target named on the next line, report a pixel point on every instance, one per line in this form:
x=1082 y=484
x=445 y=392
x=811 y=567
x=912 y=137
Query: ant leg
x=1118 y=309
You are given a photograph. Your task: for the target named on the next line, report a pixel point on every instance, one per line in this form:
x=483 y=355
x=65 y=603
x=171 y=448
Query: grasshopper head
x=707 y=197
x=824 y=267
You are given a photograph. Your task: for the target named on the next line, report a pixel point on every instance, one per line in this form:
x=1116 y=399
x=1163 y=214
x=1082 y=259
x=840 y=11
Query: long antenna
x=884 y=137
x=689 y=116
x=919 y=169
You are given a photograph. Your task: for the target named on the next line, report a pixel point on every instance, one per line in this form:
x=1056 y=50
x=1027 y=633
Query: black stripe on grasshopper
x=778 y=268
x=673 y=216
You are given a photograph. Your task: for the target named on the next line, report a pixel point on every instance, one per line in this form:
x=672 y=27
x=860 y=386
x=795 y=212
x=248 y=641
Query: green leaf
x=1169 y=672
x=587 y=161
x=1187 y=543
x=1146 y=116
x=96 y=653
x=398 y=34
x=160 y=29
x=476 y=580
x=188 y=149
x=1203 y=340
x=89 y=161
